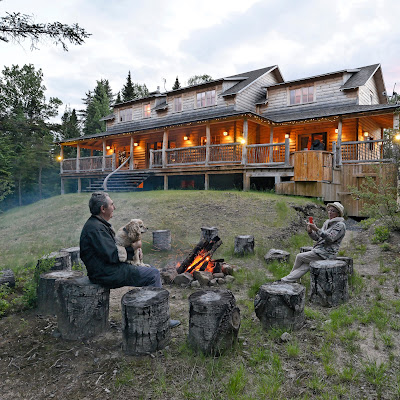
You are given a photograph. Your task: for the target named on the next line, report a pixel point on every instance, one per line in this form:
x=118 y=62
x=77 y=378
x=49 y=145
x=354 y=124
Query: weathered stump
x=75 y=253
x=277 y=255
x=145 y=320
x=57 y=261
x=7 y=277
x=214 y=321
x=329 y=282
x=162 y=239
x=46 y=293
x=208 y=233
x=82 y=308
x=244 y=244
x=349 y=262
x=304 y=249
x=280 y=305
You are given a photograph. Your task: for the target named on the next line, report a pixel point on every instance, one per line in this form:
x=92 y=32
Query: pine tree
x=118 y=99
x=128 y=91
x=177 y=85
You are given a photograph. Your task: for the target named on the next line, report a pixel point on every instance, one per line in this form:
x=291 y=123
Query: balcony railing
x=366 y=151
x=271 y=153
x=86 y=164
x=226 y=153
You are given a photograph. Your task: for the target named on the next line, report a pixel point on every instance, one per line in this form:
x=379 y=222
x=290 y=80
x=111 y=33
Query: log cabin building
x=250 y=130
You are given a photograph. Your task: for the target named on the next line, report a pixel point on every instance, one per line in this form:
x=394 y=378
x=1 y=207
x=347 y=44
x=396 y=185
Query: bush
x=381 y=235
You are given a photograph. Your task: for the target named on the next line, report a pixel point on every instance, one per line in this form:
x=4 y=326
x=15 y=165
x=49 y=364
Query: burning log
x=204 y=249
x=214 y=321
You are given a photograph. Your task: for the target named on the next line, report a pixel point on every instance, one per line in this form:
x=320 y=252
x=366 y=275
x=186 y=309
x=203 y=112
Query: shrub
x=382 y=234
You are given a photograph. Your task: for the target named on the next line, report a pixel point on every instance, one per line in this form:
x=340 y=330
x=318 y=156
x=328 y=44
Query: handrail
x=113 y=172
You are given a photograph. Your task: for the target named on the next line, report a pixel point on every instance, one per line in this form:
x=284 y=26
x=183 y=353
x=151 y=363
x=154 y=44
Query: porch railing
x=271 y=153
x=368 y=150
x=186 y=155
x=84 y=164
x=226 y=153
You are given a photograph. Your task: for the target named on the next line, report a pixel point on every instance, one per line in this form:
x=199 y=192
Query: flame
x=200 y=259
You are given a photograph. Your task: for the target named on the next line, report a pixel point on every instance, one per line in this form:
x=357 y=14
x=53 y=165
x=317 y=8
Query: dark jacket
x=99 y=253
x=317 y=145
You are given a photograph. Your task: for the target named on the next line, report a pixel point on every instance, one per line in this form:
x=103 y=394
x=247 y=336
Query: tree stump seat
x=350 y=264
x=82 y=308
x=145 y=320
x=329 y=282
x=57 y=260
x=75 y=253
x=277 y=255
x=7 y=277
x=280 y=305
x=244 y=244
x=162 y=239
x=208 y=233
x=214 y=321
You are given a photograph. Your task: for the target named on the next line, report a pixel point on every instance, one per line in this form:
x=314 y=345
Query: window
x=178 y=104
x=146 y=110
x=205 y=99
x=302 y=95
x=125 y=115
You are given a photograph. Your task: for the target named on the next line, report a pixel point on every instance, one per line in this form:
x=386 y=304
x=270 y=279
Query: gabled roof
x=328 y=111
x=247 y=78
x=108 y=117
x=361 y=77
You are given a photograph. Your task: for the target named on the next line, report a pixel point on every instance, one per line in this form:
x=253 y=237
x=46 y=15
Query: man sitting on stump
x=328 y=240
x=104 y=260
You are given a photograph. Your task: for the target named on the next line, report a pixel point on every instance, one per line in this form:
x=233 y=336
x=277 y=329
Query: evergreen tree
x=177 y=85
x=128 y=91
x=118 y=99
x=69 y=125
x=198 y=79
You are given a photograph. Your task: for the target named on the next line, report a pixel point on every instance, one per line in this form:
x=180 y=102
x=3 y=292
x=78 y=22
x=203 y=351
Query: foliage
x=381 y=234
x=17 y=27
x=379 y=199
x=199 y=79
x=6 y=162
x=132 y=91
x=118 y=98
x=177 y=85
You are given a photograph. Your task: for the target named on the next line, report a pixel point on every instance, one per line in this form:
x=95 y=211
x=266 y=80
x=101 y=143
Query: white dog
x=131 y=233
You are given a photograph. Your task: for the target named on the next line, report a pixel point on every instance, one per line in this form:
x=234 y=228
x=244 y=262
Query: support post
x=151 y=158
x=206 y=181
x=62 y=186
x=246 y=182
x=339 y=143
x=334 y=151
x=164 y=149
x=62 y=158
x=78 y=156
x=287 y=151
x=245 y=137
x=79 y=185
x=131 y=164
x=103 y=164
x=270 y=157
x=165 y=182
x=114 y=162
x=208 y=141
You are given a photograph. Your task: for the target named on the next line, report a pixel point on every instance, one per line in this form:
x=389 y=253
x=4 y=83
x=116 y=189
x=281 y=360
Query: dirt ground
x=36 y=364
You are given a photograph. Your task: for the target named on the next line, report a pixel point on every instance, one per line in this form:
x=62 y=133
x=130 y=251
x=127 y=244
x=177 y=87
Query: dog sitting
x=128 y=234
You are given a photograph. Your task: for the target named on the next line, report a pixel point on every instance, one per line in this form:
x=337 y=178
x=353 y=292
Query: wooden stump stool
x=7 y=277
x=280 y=305
x=162 y=239
x=305 y=249
x=75 y=253
x=59 y=260
x=329 y=283
x=208 y=233
x=46 y=293
x=349 y=262
x=82 y=308
x=244 y=244
x=277 y=255
x=145 y=320
x=214 y=321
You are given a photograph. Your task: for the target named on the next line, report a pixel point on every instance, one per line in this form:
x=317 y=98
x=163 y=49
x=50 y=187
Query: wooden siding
x=327 y=92
x=312 y=166
x=247 y=98
x=366 y=90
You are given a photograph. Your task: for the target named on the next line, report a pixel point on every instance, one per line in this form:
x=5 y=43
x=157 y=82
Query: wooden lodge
x=248 y=130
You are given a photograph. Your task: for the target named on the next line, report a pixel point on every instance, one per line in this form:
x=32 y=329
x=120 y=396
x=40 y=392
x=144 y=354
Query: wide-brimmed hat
x=338 y=207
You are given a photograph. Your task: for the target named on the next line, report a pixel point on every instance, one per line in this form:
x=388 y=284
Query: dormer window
x=302 y=95
x=146 y=110
x=178 y=104
x=205 y=99
x=125 y=115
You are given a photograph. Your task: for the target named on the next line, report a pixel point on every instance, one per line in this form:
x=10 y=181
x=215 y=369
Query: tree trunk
x=46 y=290
x=162 y=239
x=209 y=233
x=244 y=244
x=56 y=261
x=280 y=305
x=145 y=320
x=75 y=253
x=82 y=308
x=40 y=182
x=7 y=277
x=214 y=321
x=350 y=264
x=329 y=282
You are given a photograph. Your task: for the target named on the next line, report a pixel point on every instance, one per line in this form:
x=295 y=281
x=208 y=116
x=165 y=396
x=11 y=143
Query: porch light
x=59 y=158
x=243 y=141
x=225 y=133
x=287 y=135
x=336 y=130
x=366 y=134
x=397 y=137
x=136 y=144
x=186 y=137
x=108 y=147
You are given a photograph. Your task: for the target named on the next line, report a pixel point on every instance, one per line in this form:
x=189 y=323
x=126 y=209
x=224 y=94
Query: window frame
x=123 y=111
x=175 y=104
x=299 y=92
x=146 y=113
x=205 y=95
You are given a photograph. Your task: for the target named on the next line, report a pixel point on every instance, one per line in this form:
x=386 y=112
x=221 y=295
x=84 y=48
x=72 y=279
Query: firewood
x=145 y=320
x=329 y=282
x=214 y=321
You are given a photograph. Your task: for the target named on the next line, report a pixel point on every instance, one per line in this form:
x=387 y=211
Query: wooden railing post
x=334 y=150
x=245 y=138
x=208 y=140
x=114 y=161
x=62 y=158
x=151 y=158
x=164 y=149
x=78 y=156
x=103 y=165
x=131 y=164
x=339 y=144
x=287 y=151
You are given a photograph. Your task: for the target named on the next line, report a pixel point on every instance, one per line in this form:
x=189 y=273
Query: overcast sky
x=162 y=39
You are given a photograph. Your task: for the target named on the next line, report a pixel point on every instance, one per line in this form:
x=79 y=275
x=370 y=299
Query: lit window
x=205 y=99
x=178 y=104
x=146 y=110
x=302 y=95
x=125 y=115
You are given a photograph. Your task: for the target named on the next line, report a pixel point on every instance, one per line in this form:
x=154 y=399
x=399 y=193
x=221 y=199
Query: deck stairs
x=120 y=182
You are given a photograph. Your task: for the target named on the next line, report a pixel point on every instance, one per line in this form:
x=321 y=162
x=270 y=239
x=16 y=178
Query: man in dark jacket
x=104 y=260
